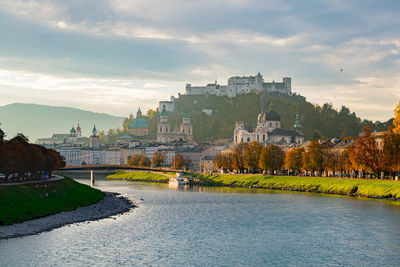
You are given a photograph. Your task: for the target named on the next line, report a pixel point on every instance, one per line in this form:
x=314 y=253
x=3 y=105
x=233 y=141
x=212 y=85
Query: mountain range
x=39 y=121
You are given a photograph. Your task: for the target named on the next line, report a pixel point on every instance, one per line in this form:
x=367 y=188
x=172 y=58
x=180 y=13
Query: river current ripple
x=220 y=227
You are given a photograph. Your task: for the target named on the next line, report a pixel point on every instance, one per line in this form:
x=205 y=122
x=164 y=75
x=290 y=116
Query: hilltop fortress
x=242 y=85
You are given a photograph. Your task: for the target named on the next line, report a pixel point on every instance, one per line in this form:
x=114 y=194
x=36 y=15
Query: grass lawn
x=142 y=176
x=357 y=187
x=19 y=203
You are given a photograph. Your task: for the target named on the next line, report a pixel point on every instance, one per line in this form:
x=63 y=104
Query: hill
x=37 y=121
x=318 y=121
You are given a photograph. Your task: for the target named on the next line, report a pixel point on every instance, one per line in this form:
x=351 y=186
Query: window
x=166 y=129
x=160 y=129
x=270 y=124
x=276 y=125
x=235 y=138
x=264 y=137
x=258 y=138
x=248 y=139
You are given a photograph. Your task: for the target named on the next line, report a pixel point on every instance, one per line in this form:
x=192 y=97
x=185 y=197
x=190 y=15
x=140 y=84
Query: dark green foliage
x=19 y=203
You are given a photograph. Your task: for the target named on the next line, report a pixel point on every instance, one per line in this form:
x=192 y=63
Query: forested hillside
x=318 y=121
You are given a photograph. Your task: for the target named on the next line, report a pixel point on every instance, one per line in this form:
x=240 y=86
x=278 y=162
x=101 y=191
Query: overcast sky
x=113 y=55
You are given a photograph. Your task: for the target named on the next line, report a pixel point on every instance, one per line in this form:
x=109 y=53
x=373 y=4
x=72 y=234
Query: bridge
x=92 y=168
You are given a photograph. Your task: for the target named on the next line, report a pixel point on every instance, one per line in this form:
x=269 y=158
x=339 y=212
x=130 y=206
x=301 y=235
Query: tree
x=134 y=160
x=224 y=161
x=2 y=135
x=158 y=159
x=252 y=155
x=238 y=156
x=144 y=161
x=332 y=161
x=272 y=158
x=313 y=157
x=178 y=162
x=396 y=121
x=391 y=150
x=365 y=154
x=294 y=159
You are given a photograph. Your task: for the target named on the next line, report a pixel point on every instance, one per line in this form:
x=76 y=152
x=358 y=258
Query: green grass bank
x=352 y=187
x=142 y=176
x=19 y=203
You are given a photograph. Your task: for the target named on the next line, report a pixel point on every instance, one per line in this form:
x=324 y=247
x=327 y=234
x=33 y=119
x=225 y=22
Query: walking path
x=54 y=178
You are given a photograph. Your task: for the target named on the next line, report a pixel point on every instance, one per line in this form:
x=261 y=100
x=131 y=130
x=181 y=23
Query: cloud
x=119 y=51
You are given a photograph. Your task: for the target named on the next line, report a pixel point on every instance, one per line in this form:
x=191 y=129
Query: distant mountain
x=39 y=121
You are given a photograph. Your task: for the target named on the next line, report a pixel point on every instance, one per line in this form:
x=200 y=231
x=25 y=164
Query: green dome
x=186 y=115
x=139 y=123
x=272 y=115
x=164 y=112
x=73 y=130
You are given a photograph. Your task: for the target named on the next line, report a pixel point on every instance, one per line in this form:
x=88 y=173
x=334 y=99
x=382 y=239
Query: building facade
x=242 y=85
x=165 y=134
x=268 y=129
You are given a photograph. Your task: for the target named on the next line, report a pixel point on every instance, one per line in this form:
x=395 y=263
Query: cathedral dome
x=272 y=115
x=139 y=123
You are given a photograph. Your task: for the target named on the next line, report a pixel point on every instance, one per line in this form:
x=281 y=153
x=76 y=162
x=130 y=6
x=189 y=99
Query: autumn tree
x=158 y=159
x=313 y=158
x=238 y=156
x=365 y=154
x=391 y=150
x=332 y=160
x=178 y=162
x=272 y=158
x=396 y=121
x=134 y=160
x=252 y=155
x=144 y=161
x=224 y=161
x=294 y=159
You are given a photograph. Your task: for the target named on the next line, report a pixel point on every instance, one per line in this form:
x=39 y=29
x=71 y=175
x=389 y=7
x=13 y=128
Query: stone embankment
x=112 y=204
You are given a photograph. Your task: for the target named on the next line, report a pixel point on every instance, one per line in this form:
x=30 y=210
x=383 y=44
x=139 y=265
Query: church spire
x=297 y=123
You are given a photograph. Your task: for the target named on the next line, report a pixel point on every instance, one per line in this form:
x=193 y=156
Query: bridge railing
x=124 y=167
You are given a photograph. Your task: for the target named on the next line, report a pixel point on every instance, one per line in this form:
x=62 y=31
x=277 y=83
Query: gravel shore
x=111 y=205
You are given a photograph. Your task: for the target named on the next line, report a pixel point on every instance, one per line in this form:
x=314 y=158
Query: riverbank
x=340 y=186
x=19 y=203
x=112 y=204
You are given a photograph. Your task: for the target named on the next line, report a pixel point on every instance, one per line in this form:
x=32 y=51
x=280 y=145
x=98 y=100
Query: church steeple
x=297 y=123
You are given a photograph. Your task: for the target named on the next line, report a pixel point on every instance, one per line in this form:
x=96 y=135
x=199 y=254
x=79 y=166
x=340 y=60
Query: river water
x=214 y=226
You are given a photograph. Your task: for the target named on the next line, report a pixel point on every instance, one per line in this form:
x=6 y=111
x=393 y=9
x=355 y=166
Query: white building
x=268 y=130
x=169 y=105
x=242 y=85
x=72 y=155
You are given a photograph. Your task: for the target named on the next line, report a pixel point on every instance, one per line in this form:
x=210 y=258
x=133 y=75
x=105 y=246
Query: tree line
x=368 y=155
x=178 y=162
x=20 y=160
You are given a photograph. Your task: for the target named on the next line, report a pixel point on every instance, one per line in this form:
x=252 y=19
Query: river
x=214 y=226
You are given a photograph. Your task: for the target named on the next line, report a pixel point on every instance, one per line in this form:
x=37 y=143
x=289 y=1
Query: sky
x=113 y=56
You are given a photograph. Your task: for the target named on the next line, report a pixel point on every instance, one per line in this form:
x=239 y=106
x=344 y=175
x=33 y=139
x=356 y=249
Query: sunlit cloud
x=112 y=55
